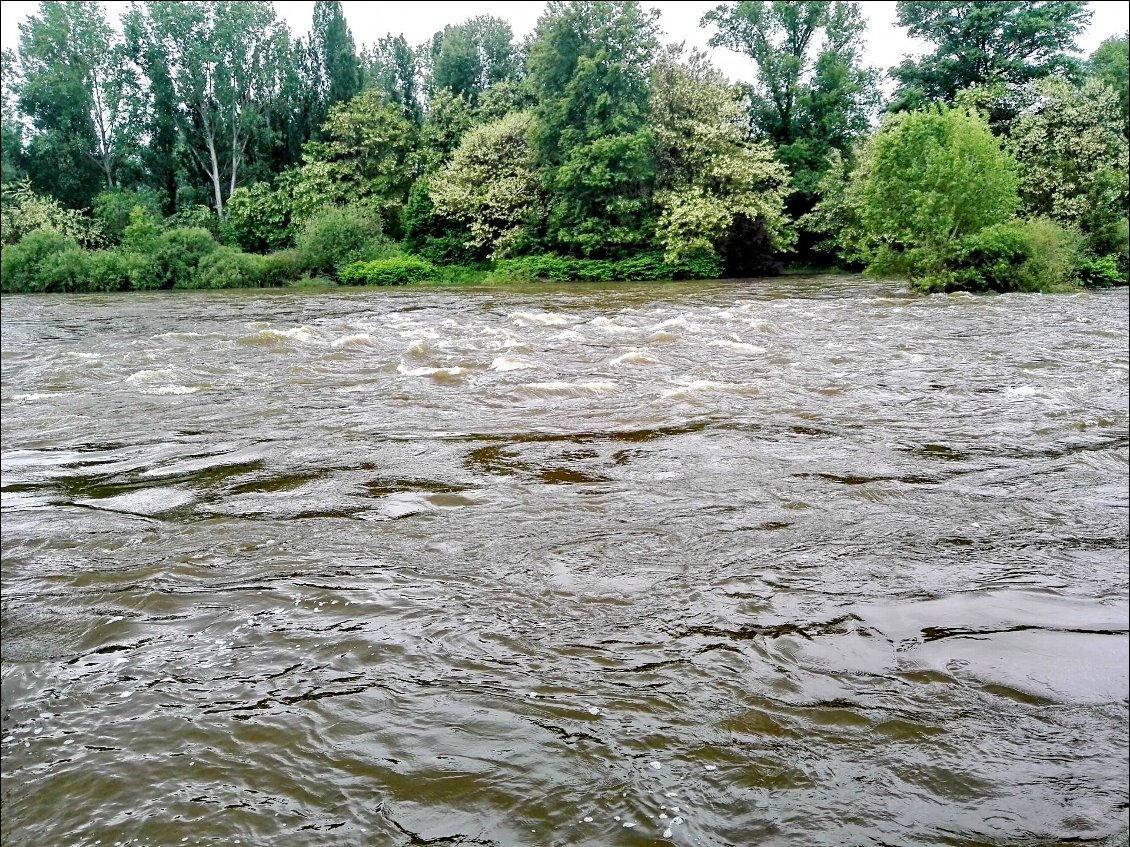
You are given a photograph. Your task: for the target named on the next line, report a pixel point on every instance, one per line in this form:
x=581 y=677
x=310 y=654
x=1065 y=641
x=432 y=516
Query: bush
x=643 y=267
x=227 y=268
x=20 y=263
x=65 y=271
x=108 y=270
x=1101 y=272
x=283 y=267
x=339 y=236
x=195 y=217
x=258 y=218
x=402 y=270
x=173 y=260
x=1036 y=255
x=113 y=210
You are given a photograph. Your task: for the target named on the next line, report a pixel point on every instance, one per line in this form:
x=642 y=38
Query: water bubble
x=588 y=819
x=594 y=710
x=628 y=824
x=712 y=767
x=655 y=765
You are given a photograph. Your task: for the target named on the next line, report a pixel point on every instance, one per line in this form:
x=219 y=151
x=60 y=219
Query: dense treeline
x=199 y=145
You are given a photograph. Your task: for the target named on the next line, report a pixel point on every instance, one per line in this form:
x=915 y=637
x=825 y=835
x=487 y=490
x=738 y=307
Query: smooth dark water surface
x=802 y=562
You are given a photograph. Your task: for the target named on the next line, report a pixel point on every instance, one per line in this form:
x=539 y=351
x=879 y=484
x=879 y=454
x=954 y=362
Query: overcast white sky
x=886 y=45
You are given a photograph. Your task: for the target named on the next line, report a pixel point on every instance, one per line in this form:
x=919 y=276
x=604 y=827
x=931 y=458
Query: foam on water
x=635 y=357
x=542 y=319
x=502 y=363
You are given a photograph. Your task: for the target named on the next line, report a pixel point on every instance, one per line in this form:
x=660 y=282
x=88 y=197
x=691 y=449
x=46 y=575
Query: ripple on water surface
x=786 y=563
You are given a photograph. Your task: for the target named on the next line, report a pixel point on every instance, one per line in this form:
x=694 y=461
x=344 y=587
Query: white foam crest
x=502 y=363
x=609 y=325
x=1020 y=391
x=174 y=389
x=271 y=335
x=569 y=389
x=357 y=339
x=568 y=335
x=635 y=357
x=439 y=374
x=662 y=337
x=147 y=377
x=75 y=354
x=697 y=388
x=737 y=346
x=177 y=336
x=31 y=398
x=542 y=319
x=419 y=348
x=678 y=320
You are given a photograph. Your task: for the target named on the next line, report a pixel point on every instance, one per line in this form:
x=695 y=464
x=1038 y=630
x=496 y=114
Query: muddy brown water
x=798 y=562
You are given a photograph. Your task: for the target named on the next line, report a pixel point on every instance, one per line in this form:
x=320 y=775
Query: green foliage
x=469 y=58
x=707 y=173
x=20 y=263
x=221 y=64
x=227 y=268
x=113 y=209
x=174 y=259
x=365 y=158
x=1101 y=272
x=22 y=211
x=259 y=217
x=1110 y=65
x=431 y=235
x=141 y=233
x=811 y=93
x=643 y=267
x=492 y=187
x=283 y=267
x=588 y=70
x=934 y=176
x=79 y=90
x=1036 y=255
x=401 y=270
x=391 y=67
x=1073 y=158
x=64 y=271
x=194 y=216
x=338 y=236
x=979 y=43
x=331 y=42
x=109 y=270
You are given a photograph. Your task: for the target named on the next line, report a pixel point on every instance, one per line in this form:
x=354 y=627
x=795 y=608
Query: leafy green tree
x=933 y=177
x=981 y=43
x=223 y=65
x=332 y=43
x=588 y=68
x=469 y=58
x=113 y=207
x=708 y=177
x=1072 y=151
x=391 y=68
x=11 y=128
x=1110 y=64
x=23 y=211
x=259 y=217
x=448 y=118
x=364 y=159
x=78 y=89
x=812 y=95
x=491 y=185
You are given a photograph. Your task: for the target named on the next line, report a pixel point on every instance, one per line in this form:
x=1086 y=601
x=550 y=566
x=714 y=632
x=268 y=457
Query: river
x=798 y=562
